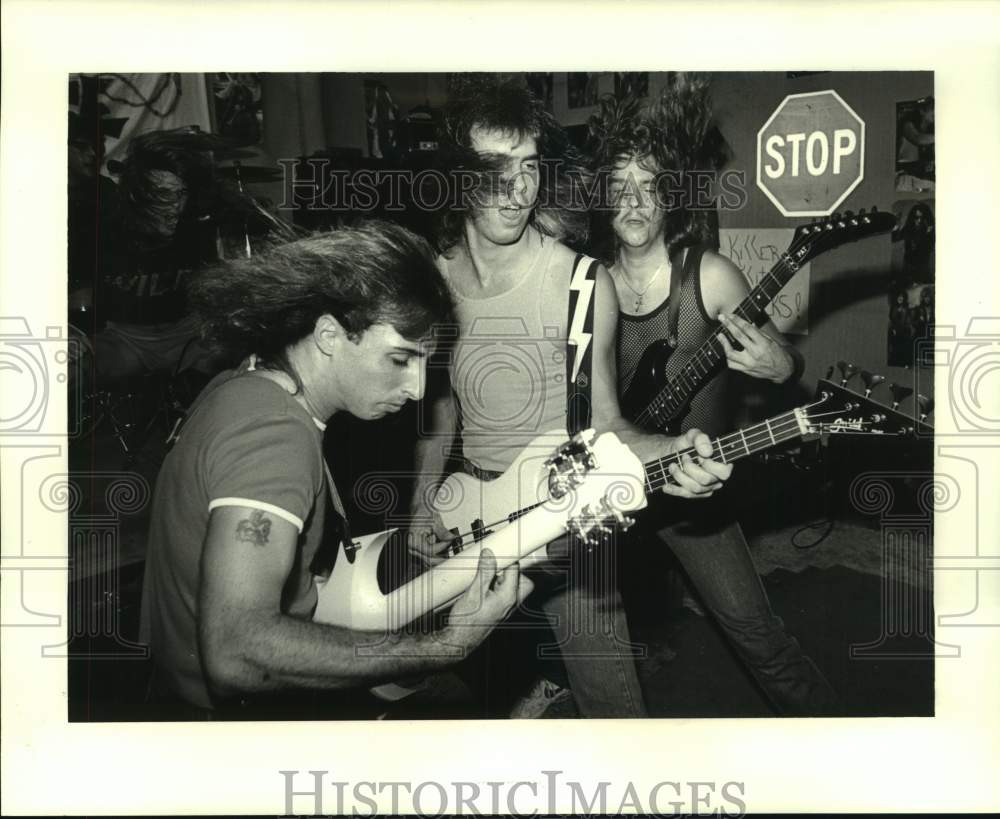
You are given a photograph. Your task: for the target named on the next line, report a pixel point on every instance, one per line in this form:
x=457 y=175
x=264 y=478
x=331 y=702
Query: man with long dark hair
x=645 y=152
x=510 y=275
x=169 y=201
x=335 y=323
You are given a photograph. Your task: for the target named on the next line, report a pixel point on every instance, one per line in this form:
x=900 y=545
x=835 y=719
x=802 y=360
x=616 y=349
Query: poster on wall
x=239 y=107
x=911 y=283
x=915 y=145
x=540 y=83
x=110 y=109
x=582 y=88
x=755 y=251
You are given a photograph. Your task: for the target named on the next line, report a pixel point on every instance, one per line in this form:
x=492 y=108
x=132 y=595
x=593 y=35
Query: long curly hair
x=375 y=272
x=491 y=103
x=673 y=135
x=161 y=171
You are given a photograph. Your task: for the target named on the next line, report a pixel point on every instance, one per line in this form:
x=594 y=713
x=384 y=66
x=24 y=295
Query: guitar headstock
x=598 y=479
x=839 y=410
x=817 y=237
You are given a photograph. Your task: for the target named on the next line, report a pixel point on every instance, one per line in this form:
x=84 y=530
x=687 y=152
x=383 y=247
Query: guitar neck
x=732 y=447
x=675 y=394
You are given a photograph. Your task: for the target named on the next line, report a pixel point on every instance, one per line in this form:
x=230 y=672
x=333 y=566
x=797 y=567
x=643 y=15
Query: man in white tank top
x=510 y=278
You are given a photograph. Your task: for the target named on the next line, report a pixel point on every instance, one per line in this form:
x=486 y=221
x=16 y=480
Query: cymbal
x=249 y=173
x=197 y=140
x=226 y=152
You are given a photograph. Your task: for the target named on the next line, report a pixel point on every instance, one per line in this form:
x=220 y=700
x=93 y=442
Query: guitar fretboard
x=729 y=448
x=672 y=398
x=809 y=241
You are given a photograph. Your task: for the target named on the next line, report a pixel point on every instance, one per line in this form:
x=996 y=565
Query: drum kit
x=134 y=408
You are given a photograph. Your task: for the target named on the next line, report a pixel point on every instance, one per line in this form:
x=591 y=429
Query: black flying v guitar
x=654 y=401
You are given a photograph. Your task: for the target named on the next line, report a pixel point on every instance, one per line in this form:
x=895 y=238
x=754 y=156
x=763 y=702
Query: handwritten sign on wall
x=755 y=251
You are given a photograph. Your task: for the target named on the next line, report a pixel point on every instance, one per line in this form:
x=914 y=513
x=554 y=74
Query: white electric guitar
x=586 y=483
x=586 y=487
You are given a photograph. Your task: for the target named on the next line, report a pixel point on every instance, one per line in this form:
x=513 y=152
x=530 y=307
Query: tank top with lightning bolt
x=508 y=367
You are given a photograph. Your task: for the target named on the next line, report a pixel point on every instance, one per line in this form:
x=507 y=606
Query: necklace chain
x=639 y=293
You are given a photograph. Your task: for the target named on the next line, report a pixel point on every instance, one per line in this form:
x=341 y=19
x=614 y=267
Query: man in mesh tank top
x=510 y=277
x=634 y=146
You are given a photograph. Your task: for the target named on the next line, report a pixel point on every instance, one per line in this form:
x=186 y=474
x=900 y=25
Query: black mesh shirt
x=708 y=410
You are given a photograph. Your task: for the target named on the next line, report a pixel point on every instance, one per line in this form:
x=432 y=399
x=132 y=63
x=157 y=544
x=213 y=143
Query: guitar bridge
x=479 y=530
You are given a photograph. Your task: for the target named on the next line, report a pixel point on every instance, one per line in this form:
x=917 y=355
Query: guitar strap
x=579 y=346
x=336 y=529
x=677 y=273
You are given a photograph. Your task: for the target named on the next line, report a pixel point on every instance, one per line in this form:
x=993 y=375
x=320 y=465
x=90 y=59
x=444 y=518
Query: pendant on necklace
x=638 y=304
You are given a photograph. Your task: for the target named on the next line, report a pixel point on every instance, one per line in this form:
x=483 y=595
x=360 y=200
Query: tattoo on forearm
x=255 y=530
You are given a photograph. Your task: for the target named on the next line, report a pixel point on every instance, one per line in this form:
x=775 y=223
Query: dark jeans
x=576 y=615
x=587 y=619
x=711 y=548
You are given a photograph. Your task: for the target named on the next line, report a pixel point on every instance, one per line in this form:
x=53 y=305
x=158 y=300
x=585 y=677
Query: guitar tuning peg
x=926 y=406
x=847 y=372
x=829 y=372
x=871 y=381
x=623 y=520
x=861 y=212
x=899 y=394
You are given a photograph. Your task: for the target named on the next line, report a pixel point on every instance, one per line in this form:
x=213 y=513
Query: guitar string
x=747 y=440
x=809 y=234
x=661 y=401
x=707 y=356
x=752 y=439
x=781 y=424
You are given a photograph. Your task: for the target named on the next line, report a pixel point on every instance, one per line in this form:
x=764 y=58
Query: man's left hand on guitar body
x=695 y=477
x=761 y=356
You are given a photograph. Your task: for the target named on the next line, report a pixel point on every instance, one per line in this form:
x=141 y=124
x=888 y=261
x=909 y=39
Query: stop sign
x=810 y=154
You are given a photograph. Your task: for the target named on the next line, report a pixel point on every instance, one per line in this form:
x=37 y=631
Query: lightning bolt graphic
x=578 y=338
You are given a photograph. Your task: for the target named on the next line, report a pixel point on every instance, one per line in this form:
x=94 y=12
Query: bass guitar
x=655 y=401
x=586 y=487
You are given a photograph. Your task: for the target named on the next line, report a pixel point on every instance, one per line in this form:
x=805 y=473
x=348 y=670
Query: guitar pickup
x=455 y=545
